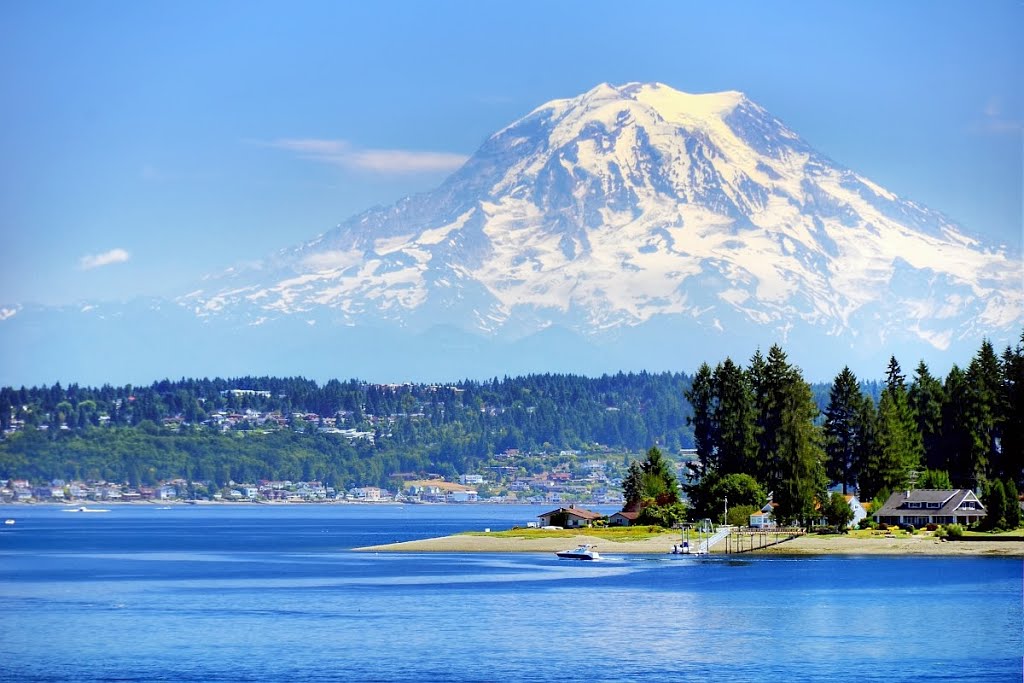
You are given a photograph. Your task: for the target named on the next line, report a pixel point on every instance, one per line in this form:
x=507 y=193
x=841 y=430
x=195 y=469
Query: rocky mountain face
x=637 y=226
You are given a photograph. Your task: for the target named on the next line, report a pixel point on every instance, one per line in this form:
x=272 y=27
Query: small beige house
x=623 y=519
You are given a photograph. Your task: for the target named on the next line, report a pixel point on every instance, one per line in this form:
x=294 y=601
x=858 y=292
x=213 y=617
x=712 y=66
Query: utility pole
x=726 y=519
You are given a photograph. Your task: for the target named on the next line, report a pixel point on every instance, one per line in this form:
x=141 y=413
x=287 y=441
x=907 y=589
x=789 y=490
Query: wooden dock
x=747 y=539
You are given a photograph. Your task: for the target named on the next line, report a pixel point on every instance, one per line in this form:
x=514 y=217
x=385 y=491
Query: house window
x=914 y=506
x=934 y=506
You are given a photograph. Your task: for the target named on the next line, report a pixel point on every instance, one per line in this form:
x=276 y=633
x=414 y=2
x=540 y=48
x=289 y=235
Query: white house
x=462 y=496
x=931 y=506
x=471 y=479
x=857 y=509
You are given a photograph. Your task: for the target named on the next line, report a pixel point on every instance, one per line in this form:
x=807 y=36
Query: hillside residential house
x=931 y=506
x=570 y=517
x=623 y=519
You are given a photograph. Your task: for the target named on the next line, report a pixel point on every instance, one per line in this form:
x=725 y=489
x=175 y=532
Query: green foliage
x=954 y=531
x=837 y=511
x=650 y=482
x=705 y=437
x=1012 y=408
x=995 y=506
x=1011 y=516
x=665 y=516
x=925 y=398
x=733 y=418
x=793 y=461
x=879 y=500
x=897 y=443
x=842 y=429
x=707 y=499
x=934 y=479
x=740 y=514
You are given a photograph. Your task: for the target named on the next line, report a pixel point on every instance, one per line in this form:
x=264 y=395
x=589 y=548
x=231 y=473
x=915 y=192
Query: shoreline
x=807 y=545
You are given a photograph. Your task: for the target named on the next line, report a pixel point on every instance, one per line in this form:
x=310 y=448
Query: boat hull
x=572 y=556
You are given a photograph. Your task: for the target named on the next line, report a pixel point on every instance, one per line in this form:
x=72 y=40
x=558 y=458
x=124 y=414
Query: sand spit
x=812 y=544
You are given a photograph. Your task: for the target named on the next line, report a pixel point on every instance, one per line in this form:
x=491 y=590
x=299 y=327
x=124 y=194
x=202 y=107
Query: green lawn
x=1017 y=533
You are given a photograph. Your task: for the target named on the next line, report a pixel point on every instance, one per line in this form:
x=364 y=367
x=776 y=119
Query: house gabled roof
x=941 y=501
x=631 y=516
x=582 y=513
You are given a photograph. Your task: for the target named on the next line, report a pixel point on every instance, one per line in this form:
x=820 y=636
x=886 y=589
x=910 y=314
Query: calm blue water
x=276 y=594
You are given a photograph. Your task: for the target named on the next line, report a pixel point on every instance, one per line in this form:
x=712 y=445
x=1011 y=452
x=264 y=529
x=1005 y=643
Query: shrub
x=932 y=526
x=909 y=528
x=954 y=531
x=882 y=526
x=867 y=523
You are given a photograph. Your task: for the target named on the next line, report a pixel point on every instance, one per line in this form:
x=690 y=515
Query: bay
x=257 y=593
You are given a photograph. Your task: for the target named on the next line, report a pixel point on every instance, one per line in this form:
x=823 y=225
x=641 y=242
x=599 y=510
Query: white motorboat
x=582 y=552
x=85 y=509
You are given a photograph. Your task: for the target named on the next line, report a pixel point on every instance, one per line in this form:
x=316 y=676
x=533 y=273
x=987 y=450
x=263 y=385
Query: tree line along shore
x=761 y=421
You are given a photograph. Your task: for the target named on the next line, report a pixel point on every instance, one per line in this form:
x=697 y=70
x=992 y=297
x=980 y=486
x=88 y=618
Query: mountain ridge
x=620 y=216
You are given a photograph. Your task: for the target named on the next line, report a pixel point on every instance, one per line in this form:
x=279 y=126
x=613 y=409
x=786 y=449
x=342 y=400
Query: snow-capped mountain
x=607 y=210
x=632 y=227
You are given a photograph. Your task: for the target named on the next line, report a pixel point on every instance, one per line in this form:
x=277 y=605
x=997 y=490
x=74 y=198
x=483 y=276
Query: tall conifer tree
x=790 y=455
x=1013 y=411
x=984 y=379
x=734 y=419
x=957 y=442
x=842 y=430
x=925 y=399
x=702 y=402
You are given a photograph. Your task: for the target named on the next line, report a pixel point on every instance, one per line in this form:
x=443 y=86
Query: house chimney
x=906 y=494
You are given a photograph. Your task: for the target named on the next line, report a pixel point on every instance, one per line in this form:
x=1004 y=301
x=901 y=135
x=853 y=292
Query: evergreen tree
x=837 y=511
x=925 y=398
x=957 y=409
x=995 y=506
x=934 y=479
x=1012 y=514
x=866 y=466
x=733 y=418
x=898 y=441
x=790 y=455
x=651 y=481
x=984 y=380
x=1013 y=412
x=702 y=404
x=657 y=468
x=892 y=463
x=841 y=429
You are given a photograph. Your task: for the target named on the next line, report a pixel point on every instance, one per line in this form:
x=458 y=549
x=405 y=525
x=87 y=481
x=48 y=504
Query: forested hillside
x=251 y=428
x=762 y=420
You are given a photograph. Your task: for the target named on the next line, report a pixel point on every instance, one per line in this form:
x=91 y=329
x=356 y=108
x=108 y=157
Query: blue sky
x=145 y=144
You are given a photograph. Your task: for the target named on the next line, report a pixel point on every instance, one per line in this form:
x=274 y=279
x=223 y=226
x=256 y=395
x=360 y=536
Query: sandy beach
x=812 y=544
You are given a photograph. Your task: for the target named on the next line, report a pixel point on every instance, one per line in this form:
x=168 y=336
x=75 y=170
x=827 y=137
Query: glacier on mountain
x=629 y=203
